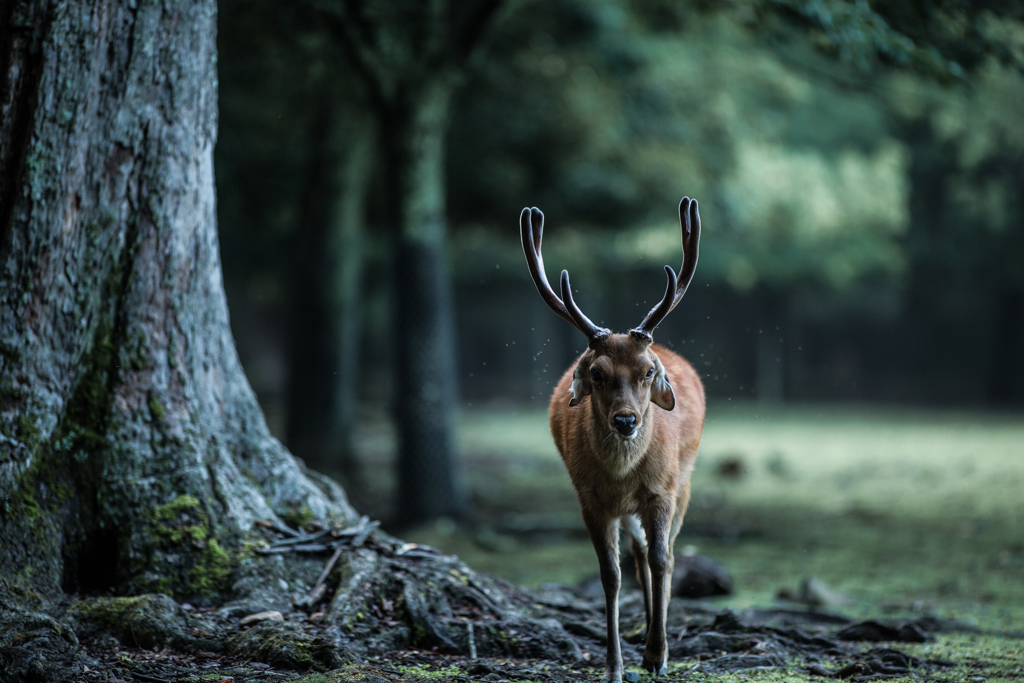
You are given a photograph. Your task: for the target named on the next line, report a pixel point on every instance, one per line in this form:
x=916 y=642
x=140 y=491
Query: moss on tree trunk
x=133 y=453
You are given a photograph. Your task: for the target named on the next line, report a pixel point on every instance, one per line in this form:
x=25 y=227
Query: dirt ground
x=903 y=527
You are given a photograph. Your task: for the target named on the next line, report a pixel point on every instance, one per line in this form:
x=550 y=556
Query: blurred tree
x=602 y=113
x=606 y=113
x=295 y=166
x=325 y=292
x=967 y=233
x=607 y=116
x=410 y=57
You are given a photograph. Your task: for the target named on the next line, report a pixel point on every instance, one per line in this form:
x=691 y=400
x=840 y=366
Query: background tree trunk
x=1007 y=373
x=426 y=394
x=129 y=436
x=771 y=377
x=324 y=308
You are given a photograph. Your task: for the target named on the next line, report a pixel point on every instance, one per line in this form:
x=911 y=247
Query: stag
x=628 y=435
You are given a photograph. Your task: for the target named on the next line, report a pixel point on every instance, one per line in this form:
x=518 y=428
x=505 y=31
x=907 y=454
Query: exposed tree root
x=388 y=607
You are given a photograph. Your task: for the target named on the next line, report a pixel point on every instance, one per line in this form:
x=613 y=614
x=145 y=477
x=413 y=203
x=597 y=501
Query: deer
x=627 y=419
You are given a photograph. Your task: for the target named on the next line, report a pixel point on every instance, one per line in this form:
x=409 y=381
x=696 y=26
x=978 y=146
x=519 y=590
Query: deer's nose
x=624 y=424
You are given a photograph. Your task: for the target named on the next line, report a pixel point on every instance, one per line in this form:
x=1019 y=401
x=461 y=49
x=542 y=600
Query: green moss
x=28 y=432
x=172 y=350
x=279 y=644
x=173 y=510
x=183 y=526
x=247 y=549
x=298 y=518
x=25 y=503
x=156 y=409
x=208 y=576
x=110 y=613
x=427 y=672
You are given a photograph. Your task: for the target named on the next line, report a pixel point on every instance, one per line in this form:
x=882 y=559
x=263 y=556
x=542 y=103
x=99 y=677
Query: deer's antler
x=689 y=223
x=531 y=230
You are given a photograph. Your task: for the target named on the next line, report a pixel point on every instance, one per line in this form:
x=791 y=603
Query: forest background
x=860 y=197
x=856 y=317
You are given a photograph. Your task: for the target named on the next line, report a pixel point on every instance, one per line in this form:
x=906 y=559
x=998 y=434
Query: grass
x=903 y=511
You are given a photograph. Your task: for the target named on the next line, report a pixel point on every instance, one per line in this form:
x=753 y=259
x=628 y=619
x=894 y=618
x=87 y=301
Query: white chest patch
x=635 y=529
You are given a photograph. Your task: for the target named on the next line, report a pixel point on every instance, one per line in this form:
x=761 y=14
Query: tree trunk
x=326 y=288
x=132 y=447
x=771 y=380
x=349 y=243
x=413 y=141
x=1007 y=367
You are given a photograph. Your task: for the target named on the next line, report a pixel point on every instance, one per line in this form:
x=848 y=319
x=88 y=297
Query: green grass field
x=902 y=511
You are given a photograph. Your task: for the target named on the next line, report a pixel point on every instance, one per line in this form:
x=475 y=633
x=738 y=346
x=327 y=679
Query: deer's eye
x=650 y=373
x=595 y=375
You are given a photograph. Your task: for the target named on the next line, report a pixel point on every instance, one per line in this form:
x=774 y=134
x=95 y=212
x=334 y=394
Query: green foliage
x=799 y=180
x=604 y=115
x=859 y=34
x=971 y=162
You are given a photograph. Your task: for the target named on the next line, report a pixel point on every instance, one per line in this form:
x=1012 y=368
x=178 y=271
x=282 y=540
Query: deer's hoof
x=655 y=668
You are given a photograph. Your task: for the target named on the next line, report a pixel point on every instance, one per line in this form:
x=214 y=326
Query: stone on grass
x=698 y=576
x=815 y=593
x=261 y=616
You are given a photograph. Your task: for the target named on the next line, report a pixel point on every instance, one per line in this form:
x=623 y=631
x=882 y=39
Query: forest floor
x=902 y=512
x=902 y=519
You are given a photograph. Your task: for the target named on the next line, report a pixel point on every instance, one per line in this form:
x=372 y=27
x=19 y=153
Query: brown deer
x=627 y=419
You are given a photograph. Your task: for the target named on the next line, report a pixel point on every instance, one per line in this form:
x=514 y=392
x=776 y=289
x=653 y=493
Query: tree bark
x=413 y=141
x=132 y=449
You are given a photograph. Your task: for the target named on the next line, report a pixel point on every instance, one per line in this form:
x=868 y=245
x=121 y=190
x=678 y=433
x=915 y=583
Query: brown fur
x=647 y=476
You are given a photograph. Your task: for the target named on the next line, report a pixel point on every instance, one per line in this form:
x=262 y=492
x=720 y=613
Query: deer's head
x=620 y=373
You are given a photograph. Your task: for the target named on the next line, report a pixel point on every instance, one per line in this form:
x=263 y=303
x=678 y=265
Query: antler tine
x=689 y=224
x=658 y=313
x=531 y=231
x=581 y=321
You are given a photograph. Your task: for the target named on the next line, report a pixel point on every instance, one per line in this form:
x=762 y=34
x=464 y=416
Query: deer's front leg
x=657 y=524
x=643 y=568
x=604 y=534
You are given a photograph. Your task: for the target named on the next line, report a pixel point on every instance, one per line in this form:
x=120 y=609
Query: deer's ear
x=661 y=389
x=580 y=385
